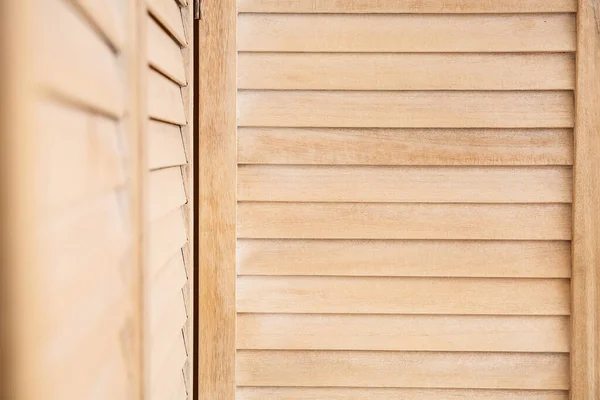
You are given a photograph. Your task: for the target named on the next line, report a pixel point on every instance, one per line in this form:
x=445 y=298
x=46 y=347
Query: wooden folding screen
x=417 y=200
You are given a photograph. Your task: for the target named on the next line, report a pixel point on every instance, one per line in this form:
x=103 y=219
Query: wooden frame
x=216 y=200
x=585 y=342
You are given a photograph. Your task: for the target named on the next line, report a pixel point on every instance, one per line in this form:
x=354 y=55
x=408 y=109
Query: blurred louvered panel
x=165 y=145
x=166 y=236
x=166 y=285
x=168 y=13
x=411 y=6
x=405 y=146
x=165 y=191
x=164 y=99
x=166 y=383
x=406 y=33
x=165 y=331
x=164 y=54
x=109 y=18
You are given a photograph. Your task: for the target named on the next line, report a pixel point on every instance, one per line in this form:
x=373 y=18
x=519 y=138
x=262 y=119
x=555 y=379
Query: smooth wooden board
x=410 y=6
x=72 y=61
x=377 y=109
x=406 y=33
x=356 y=71
x=165 y=145
x=536 y=259
x=405 y=146
x=168 y=13
x=405 y=184
x=165 y=192
x=165 y=102
x=403 y=332
x=386 y=295
x=404 y=221
x=585 y=359
x=388 y=369
x=164 y=53
x=166 y=236
x=109 y=16
x=305 y=393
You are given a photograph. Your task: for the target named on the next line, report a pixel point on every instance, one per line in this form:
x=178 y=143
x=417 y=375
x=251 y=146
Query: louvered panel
x=166 y=384
x=289 y=393
x=165 y=238
x=109 y=17
x=405 y=146
x=360 y=71
x=72 y=61
x=412 y=6
x=164 y=99
x=402 y=184
x=164 y=333
x=536 y=259
x=181 y=391
x=83 y=152
x=167 y=12
x=402 y=332
x=353 y=295
x=406 y=33
x=166 y=285
x=164 y=53
x=406 y=109
x=165 y=145
x=404 y=221
x=389 y=369
x=165 y=191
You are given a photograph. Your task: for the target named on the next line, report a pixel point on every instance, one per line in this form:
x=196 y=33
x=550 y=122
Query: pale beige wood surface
x=165 y=331
x=164 y=99
x=165 y=192
x=167 y=12
x=406 y=33
x=382 y=109
x=403 y=332
x=405 y=146
x=585 y=358
x=289 y=393
x=360 y=71
x=405 y=258
x=166 y=236
x=165 y=145
x=404 y=221
x=405 y=184
x=261 y=294
x=390 y=369
x=410 y=6
x=166 y=285
x=164 y=53
x=109 y=17
x=166 y=382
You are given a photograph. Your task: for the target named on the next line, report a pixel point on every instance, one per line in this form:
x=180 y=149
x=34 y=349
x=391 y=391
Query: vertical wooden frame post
x=216 y=74
x=585 y=351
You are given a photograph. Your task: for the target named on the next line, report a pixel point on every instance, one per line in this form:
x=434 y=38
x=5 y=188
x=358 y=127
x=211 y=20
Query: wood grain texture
x=405 y=146
x=165 y=102
x=380 y=109
x=406 y=33
x=585 y=360
x=403 y=332
x=445 y=258
x=388 y=369
x=411 y=6
x=216 y=200
x=356 y=71
x=405 y=184
x=165 y=145
x=384 y=295
x=168 y=13
x=404 y=221
x=289 y=393
x=164 y=53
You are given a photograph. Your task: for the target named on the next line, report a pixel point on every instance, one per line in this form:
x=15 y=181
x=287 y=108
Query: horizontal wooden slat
x=402 y=332
x=165 y=145
x=404 y=221
x=371 y=109
x=405 y=146
x=109 y=16
x=290 y=393
x=405 y=184
x=164 y=99
x=411 y=6
x=165 y=191
x=166 y=237
x=358 y=295
x=405 y=258
x=164 y=53
x=167 y=12
x=167 y=381
x=406 y=71
x=385 y=369
x=72 y=61
x=406 y=33
x=165 y=286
